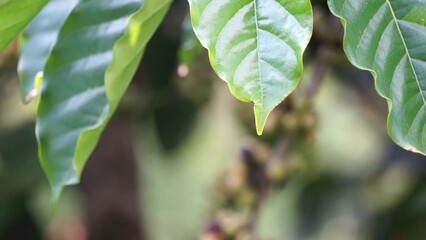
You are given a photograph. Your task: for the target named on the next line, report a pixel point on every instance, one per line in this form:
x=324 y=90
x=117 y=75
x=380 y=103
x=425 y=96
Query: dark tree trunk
x=109 y=185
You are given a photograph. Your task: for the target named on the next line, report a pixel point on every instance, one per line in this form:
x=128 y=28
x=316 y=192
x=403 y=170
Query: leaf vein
x=406 y=48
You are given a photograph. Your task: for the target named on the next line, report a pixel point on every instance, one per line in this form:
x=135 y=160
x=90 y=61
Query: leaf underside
x=87 y=71
x=14 y=16
x=388 y=38
x=256 y=46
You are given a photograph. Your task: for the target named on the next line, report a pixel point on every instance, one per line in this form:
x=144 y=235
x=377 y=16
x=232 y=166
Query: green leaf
x=37 y=41
x=87 y=73
x=256 y=46
x=388 y=38
x=14 y=16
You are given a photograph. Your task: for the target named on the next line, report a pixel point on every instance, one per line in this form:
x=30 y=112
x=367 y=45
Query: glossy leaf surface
x=37 y=41
x=256 y=46
x=14 y=16
x=90 y=67
x=388 y=38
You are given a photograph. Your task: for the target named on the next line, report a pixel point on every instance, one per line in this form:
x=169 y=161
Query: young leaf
x=14 y=16
x=256 y=46
x=86 y=74
x=388 y=38
x=37 y=41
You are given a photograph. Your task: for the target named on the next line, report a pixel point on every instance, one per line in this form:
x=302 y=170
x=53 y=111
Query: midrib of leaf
x=258 y=54
x=406 y=50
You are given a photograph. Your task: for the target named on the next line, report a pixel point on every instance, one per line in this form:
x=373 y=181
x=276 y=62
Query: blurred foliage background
x=181 y=161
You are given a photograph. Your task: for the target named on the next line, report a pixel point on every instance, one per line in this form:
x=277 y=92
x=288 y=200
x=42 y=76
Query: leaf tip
x=261 y=115
x=57 y=185
x=54 y=198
